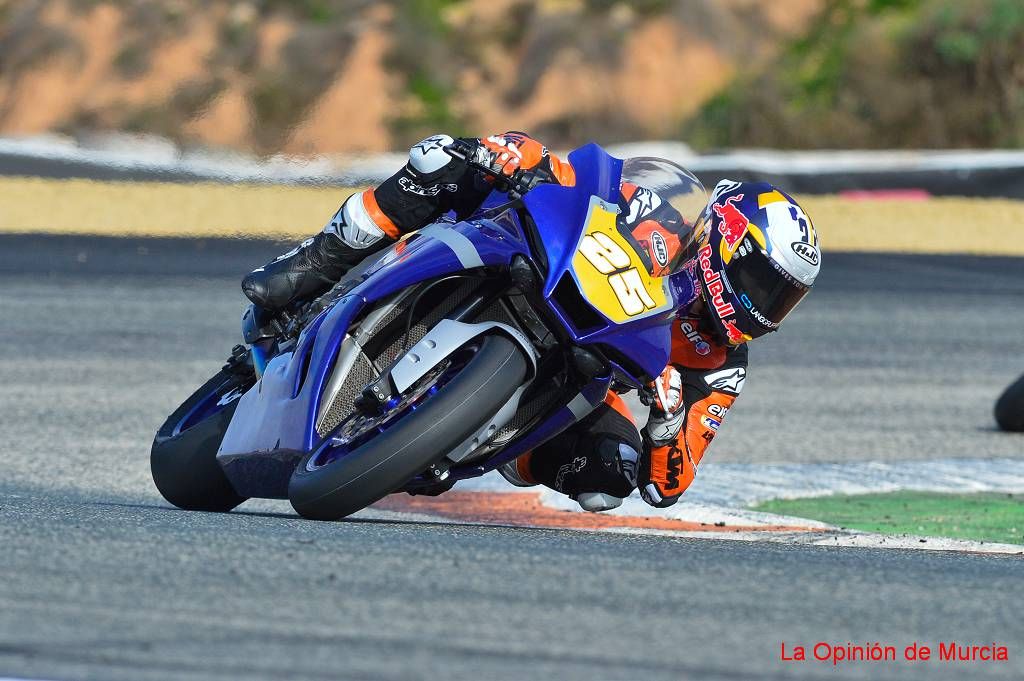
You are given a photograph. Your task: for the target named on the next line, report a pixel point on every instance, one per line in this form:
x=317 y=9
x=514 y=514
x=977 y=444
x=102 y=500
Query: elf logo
x=700 y=346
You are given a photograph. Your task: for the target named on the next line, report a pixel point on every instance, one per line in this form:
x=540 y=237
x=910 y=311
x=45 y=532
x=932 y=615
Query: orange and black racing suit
x=605 y=452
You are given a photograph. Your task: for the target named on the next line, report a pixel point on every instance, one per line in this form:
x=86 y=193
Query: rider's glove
x=514 y=151
x=668 y=390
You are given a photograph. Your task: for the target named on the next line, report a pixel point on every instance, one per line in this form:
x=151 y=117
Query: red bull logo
x=734 y=223
x=735 y=336
x=714 y=283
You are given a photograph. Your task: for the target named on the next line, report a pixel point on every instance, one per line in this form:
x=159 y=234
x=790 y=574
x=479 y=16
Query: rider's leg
x=430 y=183
x=594 y=462
x=357 y=230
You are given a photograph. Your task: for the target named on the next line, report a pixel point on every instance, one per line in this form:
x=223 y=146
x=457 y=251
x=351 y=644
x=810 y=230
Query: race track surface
x=892 y=357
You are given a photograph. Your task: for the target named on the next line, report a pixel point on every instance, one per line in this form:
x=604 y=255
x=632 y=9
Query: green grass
x=982 y=517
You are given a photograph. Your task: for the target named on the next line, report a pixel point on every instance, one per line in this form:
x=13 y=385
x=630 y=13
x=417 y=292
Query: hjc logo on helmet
x=660 y=248
x=806 y=251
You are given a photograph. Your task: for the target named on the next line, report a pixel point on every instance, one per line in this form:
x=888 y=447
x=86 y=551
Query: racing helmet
x=758 y=257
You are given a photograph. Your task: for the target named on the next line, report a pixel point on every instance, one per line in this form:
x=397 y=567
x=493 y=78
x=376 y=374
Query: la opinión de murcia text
x=844 y=653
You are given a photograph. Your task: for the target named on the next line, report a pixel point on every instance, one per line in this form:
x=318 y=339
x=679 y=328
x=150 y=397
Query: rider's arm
x=675 y=442
x=420 y=192
x=431 y=183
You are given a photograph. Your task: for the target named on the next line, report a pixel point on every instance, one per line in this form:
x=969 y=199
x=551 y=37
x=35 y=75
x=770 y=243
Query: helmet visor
x=766 y=291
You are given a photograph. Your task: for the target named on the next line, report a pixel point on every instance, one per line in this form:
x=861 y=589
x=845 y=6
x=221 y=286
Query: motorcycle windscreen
x=663 y=203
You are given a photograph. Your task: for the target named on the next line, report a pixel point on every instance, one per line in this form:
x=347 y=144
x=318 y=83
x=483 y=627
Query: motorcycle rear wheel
x=443 y=416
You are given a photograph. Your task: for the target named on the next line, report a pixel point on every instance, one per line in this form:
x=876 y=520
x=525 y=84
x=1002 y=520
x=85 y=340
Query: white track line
x=844 y=538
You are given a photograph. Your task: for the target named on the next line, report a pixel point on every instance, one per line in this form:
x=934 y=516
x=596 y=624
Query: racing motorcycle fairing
x=279 y=412
x=588 y=307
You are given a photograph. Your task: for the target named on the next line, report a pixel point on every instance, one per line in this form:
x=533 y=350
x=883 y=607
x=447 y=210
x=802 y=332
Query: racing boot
x=315 y=265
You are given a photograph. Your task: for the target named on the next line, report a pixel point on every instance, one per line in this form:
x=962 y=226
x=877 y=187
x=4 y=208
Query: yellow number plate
x=610 y=273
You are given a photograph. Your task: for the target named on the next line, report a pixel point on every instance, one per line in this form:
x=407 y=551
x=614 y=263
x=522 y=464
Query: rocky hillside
x=309 y=76
x=882 y=74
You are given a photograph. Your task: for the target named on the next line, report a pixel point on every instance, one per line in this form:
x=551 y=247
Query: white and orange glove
x=668 y=390
x=514 y=151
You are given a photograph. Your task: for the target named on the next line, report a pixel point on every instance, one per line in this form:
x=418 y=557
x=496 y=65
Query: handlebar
x=479 y=158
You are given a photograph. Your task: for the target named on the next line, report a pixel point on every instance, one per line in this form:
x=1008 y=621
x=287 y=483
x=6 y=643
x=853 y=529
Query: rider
x=757 y=256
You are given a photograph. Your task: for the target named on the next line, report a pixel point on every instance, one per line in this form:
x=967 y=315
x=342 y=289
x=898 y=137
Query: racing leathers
x=605 y=456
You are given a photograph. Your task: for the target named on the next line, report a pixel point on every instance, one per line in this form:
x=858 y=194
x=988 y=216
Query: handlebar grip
x=479 y=157
x=461 y=149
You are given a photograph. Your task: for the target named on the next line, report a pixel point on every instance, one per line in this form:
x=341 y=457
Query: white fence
x=977 y=173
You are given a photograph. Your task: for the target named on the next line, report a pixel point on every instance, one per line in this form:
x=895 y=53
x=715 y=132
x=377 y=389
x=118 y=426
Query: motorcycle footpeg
x=238 y=362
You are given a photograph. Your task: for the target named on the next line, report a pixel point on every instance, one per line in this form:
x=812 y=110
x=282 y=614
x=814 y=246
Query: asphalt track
x=892 y=357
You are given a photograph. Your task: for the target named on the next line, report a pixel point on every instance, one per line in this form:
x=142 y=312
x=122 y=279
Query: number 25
x=629 y=289
x=607 y=256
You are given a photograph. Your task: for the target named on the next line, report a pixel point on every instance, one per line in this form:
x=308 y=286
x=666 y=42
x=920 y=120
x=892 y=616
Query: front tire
x=183 y=459
x=1009 y=410
x=439 y=423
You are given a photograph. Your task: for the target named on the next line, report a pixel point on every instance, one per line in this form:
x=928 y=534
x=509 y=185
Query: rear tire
x=440 y=423
x=184 y=464
x=1009 y=410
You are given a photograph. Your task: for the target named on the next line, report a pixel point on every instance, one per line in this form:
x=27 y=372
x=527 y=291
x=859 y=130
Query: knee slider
x=595 y=502
x=619 y=466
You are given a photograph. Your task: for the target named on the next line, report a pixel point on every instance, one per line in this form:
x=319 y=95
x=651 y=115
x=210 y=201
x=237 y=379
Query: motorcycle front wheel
x=368 y=457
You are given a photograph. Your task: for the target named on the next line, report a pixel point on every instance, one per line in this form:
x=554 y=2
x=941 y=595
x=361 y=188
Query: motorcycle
x=443 y=357
x=1009 y=409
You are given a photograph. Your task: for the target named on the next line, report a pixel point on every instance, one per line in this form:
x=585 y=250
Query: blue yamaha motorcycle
x=449 y=354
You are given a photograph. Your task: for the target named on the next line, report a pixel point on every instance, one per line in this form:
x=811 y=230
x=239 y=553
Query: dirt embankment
x=333 y=76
